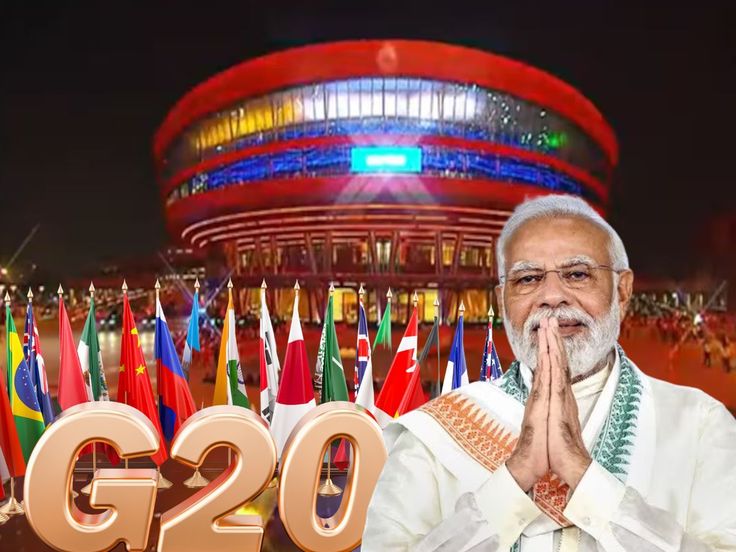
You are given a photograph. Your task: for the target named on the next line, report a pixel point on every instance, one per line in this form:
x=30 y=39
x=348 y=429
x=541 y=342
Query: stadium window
x=389 y=98
x=331 y=100
x=402 y=98
x=343 y=106
x=377 y=95
x=353 y=99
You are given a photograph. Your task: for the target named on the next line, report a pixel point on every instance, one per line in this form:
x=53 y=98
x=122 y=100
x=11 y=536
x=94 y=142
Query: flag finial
x=196 y=284
x=332 y=288
x=229 y=283
x=157 y=285
x=263 y=284
x=361 y=291
x=60 y=291
x=436 y=302
x=125 y=286
x=91 y=288
x=389 y=295
x=7 y=298
x=461 y=308
x=296 y=286
x=30 y=294
x=415 y=299
x=490 y=311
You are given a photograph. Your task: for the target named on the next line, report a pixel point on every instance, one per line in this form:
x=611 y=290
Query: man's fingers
x=540 y=388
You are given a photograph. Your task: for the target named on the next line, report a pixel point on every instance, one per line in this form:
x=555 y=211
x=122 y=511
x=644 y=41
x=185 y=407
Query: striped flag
x=90 y=356
x=175 y=403
x=268 y=361
x=456 y=373
x=399 y=375
x=364 y=394
x=229 y=383
x=296 y=396
x=23 y=400
x=192 y=342
x=36 y=365
x=490 y=368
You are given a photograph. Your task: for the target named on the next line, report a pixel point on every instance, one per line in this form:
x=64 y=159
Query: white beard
x=584 y=351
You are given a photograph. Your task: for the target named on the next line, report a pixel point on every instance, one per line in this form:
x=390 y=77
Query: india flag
x=229 y=383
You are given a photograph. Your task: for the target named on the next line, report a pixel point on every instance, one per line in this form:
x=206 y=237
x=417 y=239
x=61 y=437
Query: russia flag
x=175 y=403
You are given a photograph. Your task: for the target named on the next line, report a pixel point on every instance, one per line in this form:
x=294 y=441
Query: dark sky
x=84 y=85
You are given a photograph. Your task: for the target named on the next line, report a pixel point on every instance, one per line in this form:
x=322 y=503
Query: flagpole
x=87 y=489
x=386 y=311
x=60 y=291
x=437 y=317
x=229 y=301
x=163 y=483
x=328 y=488
x=125 y=396
x=12 y=507
x=197 y=480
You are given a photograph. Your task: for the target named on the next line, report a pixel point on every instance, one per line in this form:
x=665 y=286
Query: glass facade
x=336 y=160
x=386 y=106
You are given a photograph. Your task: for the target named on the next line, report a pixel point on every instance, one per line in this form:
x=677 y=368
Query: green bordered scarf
x=614 y=444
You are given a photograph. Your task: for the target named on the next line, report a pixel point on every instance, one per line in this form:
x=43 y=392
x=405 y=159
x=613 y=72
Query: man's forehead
x=548 y=241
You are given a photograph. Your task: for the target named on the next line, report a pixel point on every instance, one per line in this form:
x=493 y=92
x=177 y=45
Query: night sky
x=83 y=87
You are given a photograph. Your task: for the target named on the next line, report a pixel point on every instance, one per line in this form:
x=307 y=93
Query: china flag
x=134 y=385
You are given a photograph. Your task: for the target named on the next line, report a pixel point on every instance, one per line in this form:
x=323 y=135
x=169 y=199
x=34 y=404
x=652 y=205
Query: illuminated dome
x=385 y=162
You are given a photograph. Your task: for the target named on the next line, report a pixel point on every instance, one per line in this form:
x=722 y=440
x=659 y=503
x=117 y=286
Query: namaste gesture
x=550 y=438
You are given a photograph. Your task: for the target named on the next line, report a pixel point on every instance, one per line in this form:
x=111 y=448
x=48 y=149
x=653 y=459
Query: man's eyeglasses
x=576 y=277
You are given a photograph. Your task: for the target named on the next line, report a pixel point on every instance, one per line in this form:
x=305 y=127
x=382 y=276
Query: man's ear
x=499 y=300
x=625 y=290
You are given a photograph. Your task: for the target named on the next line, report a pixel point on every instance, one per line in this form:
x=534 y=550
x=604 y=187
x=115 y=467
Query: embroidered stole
x=485 y=439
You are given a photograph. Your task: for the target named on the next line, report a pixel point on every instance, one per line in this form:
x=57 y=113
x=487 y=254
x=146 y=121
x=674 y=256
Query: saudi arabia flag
x=230 y=384
x=90 y=357
x=334 y=387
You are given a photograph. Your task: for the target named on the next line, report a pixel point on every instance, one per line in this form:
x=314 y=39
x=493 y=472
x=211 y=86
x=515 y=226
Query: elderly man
x=575 y=448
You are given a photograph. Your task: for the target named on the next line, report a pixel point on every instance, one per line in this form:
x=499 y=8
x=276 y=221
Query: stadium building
x=388 y=163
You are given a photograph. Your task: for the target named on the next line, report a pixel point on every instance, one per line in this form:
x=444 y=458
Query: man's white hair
x=557 y=206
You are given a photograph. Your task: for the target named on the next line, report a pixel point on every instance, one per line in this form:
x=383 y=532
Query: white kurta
x=687 y=504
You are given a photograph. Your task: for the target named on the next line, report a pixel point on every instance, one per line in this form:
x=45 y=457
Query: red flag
x=400 y=375
x=342 y=456
x=72 y=389
x=134 y=385
x=9 y=443
x=414 y=397
x=295 y=397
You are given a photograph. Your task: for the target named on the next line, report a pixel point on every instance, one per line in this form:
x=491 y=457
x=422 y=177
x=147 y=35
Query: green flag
x=383 y=336
x=23 y=400
x=334 y=387
x=90 y=356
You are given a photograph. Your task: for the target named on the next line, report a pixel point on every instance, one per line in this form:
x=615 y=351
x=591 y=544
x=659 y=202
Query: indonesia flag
x=268 y=361
x=175 y=403
x=363 y=364
x=399 y=375
x=296 y=396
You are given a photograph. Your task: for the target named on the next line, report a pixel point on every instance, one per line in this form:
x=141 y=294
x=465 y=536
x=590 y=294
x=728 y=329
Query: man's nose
x=551 y=292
